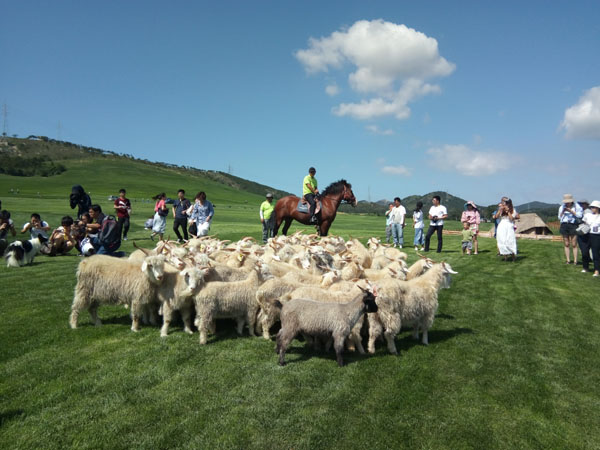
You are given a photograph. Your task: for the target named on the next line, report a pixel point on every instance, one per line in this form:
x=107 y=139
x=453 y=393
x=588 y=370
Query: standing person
x=569 y=213
x=160 y=216
x=180 y=217
x=471 y=216
x=437 y=214
x=388 y=223
x=419 y=225
x=80 y=199
x=592 y=219
x=505 y=236
x=467 y=238
x=267 y=218
x=310 y=191
x=123 y=209
x=36 y=227
x=398 y=222
x=583 y=239
x=202 y=214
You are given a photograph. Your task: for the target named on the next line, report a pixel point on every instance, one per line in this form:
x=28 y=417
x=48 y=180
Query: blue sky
x=481 y=99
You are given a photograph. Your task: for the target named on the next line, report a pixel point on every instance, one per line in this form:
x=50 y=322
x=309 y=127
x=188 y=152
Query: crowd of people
x=93 y=231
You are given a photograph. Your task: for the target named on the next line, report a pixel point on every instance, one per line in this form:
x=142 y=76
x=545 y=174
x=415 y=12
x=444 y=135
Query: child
x=467 y=238
x=419 y=226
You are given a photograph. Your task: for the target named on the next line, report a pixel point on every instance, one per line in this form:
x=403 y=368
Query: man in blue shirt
x=180 y=206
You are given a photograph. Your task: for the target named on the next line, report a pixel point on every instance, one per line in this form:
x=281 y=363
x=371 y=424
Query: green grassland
x=512 y=362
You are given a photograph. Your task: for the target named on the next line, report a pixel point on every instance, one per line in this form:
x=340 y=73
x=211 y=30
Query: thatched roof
x=532 y=223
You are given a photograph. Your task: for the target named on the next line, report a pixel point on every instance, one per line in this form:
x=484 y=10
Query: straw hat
x=595 y=204
x=472 y=203
x=568 y=198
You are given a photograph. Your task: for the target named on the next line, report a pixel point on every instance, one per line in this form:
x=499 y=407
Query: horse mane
x=336 y=187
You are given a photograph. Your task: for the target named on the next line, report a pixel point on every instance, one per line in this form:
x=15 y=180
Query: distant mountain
x=526 y=207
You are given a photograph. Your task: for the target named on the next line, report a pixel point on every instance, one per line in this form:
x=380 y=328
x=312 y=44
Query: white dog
x=20 y=253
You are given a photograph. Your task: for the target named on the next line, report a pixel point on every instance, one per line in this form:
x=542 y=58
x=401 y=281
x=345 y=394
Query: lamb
x=413 y=302
x=176 y=293
x=234 y=299
x=322 y=319
x=104 y=279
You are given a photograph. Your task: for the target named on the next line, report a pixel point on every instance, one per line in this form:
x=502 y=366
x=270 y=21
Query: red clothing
x=122 y=206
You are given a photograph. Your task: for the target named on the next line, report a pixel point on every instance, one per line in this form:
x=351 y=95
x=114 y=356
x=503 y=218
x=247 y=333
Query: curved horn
x=144 y=250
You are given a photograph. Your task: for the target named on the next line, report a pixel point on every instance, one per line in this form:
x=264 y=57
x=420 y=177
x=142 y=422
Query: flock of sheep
x=323 y=288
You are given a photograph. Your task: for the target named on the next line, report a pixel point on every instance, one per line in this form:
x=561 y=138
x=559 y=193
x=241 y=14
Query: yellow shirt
x=266 y=209
x=308 y=179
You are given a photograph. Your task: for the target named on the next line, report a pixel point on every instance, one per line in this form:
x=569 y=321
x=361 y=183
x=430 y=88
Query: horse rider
x=310 y=191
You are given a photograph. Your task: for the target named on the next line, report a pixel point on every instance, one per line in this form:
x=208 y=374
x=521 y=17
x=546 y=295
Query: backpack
x=110 y=233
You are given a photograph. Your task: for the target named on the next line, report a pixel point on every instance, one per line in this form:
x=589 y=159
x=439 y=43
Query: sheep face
x=369 y=301
x=448 y=272
x=154 y=268
x=193 y=279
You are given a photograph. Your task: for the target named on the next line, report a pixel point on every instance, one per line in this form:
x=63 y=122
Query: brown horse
x=332 y=196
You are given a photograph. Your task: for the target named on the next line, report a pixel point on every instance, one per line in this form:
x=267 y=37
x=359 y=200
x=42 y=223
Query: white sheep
x=234 y=299
x=104 y=279
x=413 y=302
x=176 y=293
x=330 y=320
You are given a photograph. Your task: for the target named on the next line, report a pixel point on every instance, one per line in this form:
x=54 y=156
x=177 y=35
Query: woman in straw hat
x=593 y=220
x=569 y=214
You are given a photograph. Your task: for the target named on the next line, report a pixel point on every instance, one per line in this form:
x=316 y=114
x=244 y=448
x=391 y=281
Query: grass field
x=512 y=362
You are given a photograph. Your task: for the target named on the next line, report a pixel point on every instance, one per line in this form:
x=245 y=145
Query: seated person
x=6 y=226
x=79 y=230
x=36 y=227
x=61 y=240
x=93 y=228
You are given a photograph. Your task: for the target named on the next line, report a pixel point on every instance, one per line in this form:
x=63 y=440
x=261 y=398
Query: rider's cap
x=312 y=170
x=269 y=195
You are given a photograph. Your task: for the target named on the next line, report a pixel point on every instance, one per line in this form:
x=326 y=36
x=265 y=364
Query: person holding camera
x=437 y=214
x=570 y=215
x=505 y=235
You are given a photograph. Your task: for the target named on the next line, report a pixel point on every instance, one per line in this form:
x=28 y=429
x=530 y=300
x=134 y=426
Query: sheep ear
x=375 y=291
x=144 y=266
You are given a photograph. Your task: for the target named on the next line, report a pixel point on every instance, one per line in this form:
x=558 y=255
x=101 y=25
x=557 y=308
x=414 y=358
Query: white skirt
x=160 y=223
x=505 y=236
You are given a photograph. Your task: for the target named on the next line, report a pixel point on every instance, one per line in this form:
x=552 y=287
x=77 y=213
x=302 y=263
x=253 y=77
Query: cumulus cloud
x=396 y=170
x=332 y=90
x=462 y=159
x=376 y=130
x=582 y=120
x=391 y=64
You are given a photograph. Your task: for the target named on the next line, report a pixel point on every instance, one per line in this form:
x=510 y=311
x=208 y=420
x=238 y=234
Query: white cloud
x=461 y=159
x=396 y=170
x=332 y=90
x=582 y=120
x=376 y=130
x=391 y=62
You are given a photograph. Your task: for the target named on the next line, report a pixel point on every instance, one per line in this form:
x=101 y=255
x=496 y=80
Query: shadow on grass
x=5 y=416
x=435 y=336
x=444 y=316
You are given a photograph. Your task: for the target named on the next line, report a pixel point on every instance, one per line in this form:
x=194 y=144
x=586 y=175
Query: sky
x=477 y=98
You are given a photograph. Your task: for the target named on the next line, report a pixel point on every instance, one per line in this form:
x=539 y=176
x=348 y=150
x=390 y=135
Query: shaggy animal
x=234 y=299
x=104 y=280
x=176 y=293
x=335 y=320
x=21 y=253
x=413 y=302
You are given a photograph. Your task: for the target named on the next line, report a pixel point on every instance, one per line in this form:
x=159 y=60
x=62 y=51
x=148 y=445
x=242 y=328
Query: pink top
x=159 y=205
x=471 y=217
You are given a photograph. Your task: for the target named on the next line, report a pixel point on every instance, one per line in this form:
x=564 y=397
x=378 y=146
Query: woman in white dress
x=505 y=235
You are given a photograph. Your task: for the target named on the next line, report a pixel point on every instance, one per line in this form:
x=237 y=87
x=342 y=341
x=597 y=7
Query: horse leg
x=324 y=228
x=286 y=227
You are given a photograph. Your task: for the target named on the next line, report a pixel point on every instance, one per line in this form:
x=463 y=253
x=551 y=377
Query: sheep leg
x=251 y=318
x=94 y=314
x=167 y=317
x=389 y=337
x=425 y=337
x=205 y=322
x=338 y=345
x=136 y=313
x=375 y=329
x=284 y=339
x=416 y=331
x=240 y=325
x=186 y=316
x=150 y=310
x=358 y=342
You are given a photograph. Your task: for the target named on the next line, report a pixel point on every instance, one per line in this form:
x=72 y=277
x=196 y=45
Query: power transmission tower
x=5 y=120
x=229 y=169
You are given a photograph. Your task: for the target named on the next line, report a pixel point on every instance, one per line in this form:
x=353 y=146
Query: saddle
x=303 y=206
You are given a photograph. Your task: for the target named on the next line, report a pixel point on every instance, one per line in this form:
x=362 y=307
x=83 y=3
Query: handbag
x=582 y=229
